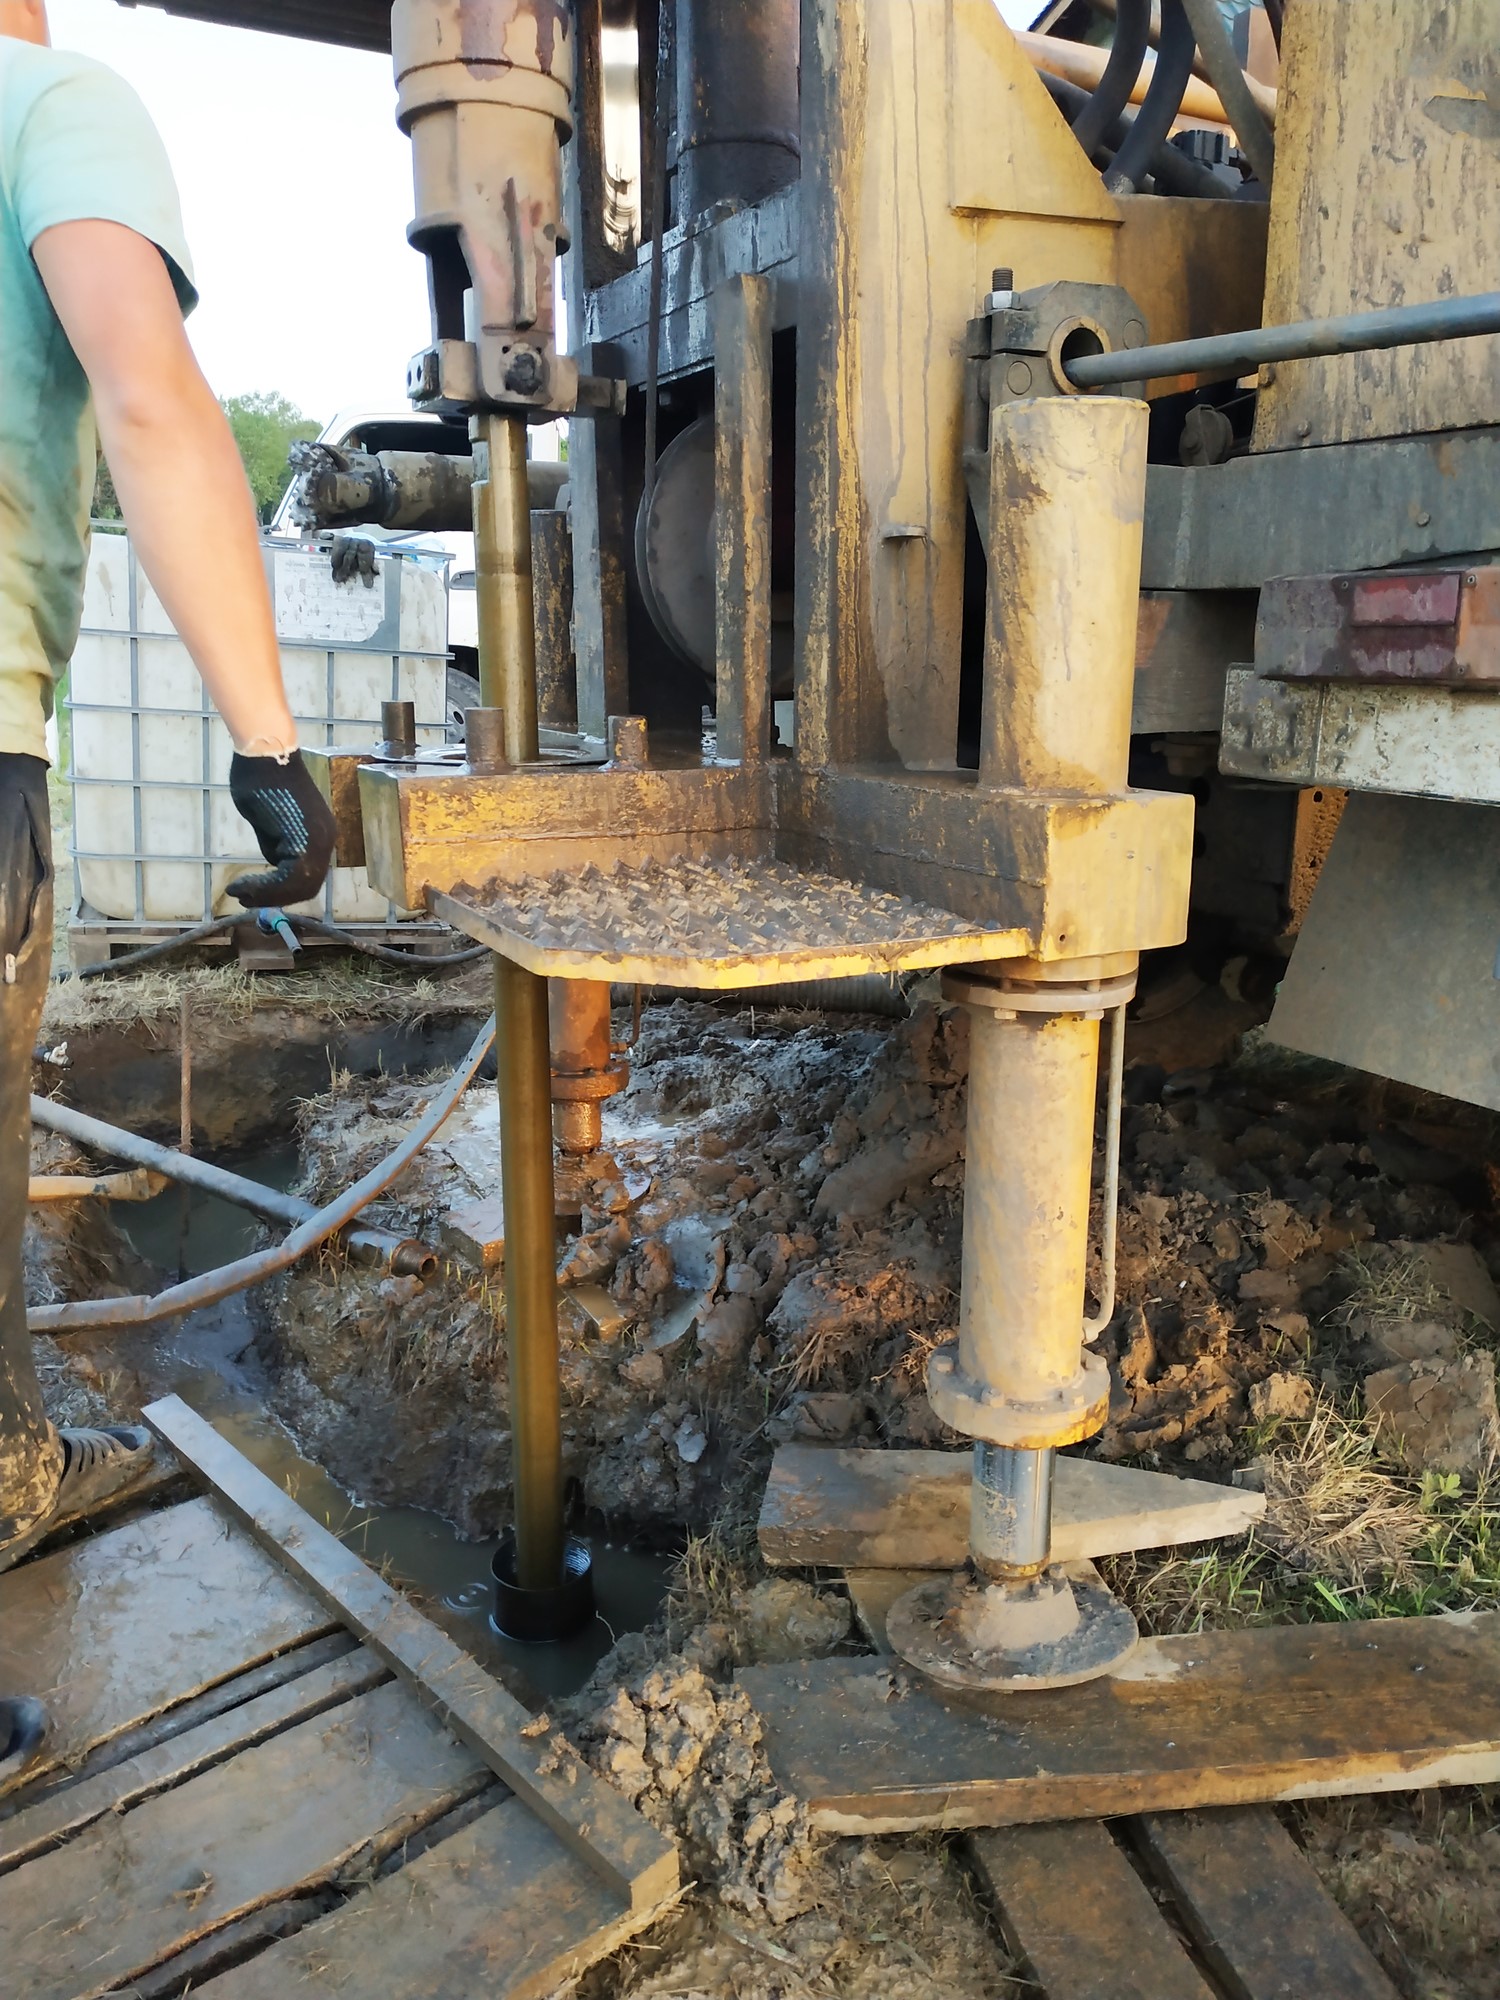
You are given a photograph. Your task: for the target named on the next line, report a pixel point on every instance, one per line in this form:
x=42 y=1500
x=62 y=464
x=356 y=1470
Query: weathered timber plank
x=1072 y=1907
x=629 y=1855
x=113 y=1630
x=131 y=1890
x=910 y=1509
x=502 y=1909
x=1266 y=1926
x=1219 y=1718
x=67 y=1811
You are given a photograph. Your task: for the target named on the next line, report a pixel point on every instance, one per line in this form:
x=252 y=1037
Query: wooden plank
x=67 y=1811
x=1386 y=189
x=1265 y=1924
x=742 y=313
x=1070 y=1904
x=335 y=1793
x=1218 y=1718
x=113 y=1630
x=910 y=1509
x=1086 y=1926
x=628 y=1853
x=502 y=1909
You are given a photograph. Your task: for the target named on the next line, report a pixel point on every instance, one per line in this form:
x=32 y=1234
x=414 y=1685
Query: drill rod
x=507 y=680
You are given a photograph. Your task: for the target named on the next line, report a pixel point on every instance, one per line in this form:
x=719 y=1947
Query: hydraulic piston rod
x=1300 y=340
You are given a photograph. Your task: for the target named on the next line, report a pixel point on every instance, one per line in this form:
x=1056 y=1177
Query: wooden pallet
x=254 y=1789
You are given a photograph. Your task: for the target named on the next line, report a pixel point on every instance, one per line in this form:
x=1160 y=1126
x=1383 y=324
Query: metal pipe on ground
x=1299 y=340
x=104 y=1315
x=404 y=1255
x=139 y=1184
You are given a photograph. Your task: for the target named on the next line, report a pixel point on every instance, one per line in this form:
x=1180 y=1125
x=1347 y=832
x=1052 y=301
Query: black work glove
x=291 y=819
x=351 y=556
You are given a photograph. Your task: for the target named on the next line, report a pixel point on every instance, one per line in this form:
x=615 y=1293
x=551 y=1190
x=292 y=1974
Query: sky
x=296 y=192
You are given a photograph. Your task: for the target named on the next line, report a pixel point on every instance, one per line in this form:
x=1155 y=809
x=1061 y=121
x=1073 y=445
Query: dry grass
x=1386 y=1283
x=1335 y=1507
x=338 y=991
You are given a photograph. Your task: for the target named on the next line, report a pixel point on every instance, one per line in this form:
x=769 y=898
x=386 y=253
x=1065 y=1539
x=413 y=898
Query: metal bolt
x=1304 y=428
x=1018 y=378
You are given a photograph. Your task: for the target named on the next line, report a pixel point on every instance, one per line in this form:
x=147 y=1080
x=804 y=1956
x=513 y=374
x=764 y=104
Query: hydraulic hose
x=1169 y=81
x=403 y=1255
x=1173 y=172
x=1112 y=92
x=104 y=1315
x=314 y=926
x=1224 y=71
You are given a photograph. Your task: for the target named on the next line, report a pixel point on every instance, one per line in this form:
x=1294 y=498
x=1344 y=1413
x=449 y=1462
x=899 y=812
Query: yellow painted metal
x=1026 y=1212
x=1067 y=501
x=1387 y=189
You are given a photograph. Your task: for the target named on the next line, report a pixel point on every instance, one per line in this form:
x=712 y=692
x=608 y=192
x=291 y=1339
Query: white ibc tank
x=155 y=836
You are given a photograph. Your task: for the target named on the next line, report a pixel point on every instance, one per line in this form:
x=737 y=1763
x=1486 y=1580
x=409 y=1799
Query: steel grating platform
x=713 y=923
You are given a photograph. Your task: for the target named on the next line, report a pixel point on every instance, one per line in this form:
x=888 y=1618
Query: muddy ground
x=1306 y=1302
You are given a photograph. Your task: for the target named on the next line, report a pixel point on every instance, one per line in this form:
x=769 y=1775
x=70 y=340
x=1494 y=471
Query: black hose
x=385 y=954
x=389 y=954
x=1112 y=92
x=1173 y=172
x=1164 y=95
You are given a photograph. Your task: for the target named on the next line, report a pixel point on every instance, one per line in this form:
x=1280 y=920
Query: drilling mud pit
x=1306 y=1304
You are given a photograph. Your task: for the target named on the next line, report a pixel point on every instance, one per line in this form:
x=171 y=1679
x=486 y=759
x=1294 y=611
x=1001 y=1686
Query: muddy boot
x=24 y=1726
x=97 y=1466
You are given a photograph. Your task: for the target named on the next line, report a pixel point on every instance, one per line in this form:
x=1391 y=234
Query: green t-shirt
x=76 y=145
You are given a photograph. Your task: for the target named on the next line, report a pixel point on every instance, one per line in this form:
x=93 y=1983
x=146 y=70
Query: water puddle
x=208 y=1359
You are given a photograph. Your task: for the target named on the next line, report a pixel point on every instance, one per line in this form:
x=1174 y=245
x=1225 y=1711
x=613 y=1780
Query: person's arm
x=175 y=466
x=187 y=505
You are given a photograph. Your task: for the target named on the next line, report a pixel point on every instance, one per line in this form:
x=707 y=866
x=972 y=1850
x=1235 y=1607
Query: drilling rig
x=1067 y=517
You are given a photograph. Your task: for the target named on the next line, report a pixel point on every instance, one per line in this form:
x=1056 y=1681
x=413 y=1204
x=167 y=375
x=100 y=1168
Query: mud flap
x=1396 y=966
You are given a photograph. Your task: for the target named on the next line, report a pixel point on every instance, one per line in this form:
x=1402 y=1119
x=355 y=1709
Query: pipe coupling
x=1074 y=1411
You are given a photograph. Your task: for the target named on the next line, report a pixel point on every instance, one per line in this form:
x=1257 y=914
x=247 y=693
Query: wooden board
x=333 y=1794
x=910 y=1509
x=1386 y=192
x=68 y=1810
x=1263 y=1921
x=113 y=1630
x=597 y=1822
x=502 y=1909
x=1219 y=1718
x=1085 y=1925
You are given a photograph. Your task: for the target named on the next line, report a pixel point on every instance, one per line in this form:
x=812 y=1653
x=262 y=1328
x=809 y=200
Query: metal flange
x=979 y=1411
x=1052 y=1630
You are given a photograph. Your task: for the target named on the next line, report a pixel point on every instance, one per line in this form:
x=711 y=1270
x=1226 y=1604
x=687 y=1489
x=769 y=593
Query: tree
x=265 y=426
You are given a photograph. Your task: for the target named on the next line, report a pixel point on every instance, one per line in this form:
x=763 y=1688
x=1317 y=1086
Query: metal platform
x=713 y=923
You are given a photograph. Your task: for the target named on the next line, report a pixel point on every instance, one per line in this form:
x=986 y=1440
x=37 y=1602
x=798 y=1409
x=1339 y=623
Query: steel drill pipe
x=502 y=584
x=1299 y=340
x=507 y=681
x=524 y=1078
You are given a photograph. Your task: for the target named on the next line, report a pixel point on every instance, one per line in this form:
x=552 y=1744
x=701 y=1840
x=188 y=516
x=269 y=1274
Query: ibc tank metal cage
x=154 y=835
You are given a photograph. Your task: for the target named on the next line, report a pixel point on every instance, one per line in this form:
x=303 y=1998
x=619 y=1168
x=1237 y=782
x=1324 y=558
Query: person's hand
x=291 y=820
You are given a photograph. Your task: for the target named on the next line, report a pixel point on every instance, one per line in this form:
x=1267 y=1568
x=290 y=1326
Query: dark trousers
x=30 y=1455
